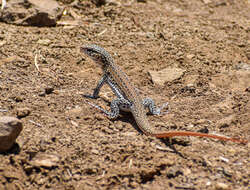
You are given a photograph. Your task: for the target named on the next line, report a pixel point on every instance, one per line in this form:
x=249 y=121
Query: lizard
x=129 y=98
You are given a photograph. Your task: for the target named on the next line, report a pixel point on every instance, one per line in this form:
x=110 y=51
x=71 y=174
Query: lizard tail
x=196 y=134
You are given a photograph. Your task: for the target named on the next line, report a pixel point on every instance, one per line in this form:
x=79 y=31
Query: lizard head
x=98 y=54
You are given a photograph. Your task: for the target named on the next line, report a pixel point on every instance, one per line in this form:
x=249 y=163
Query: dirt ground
x=43 y=76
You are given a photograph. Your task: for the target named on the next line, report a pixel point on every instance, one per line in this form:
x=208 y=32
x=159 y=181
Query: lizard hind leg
x=153 y=109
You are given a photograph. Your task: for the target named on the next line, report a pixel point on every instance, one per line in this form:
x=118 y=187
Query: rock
x=166 y=75
x=10 y=128
x=31 y=12
x=45 y=160
x=22 y=112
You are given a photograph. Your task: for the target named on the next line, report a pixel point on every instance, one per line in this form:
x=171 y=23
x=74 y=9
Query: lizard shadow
x=169 y=142
x=127 y=117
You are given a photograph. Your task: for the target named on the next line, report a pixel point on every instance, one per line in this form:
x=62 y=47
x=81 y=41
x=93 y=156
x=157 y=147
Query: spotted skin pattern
x=128 y=98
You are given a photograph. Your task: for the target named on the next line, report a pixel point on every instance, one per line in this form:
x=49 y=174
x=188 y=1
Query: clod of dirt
x=31 y=12
x=22 y=112
x=166 y=75
x=10 y=128
x=45 y=160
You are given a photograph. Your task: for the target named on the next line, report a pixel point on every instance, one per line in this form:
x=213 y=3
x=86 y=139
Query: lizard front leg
x=115 y=107
x=98 y=88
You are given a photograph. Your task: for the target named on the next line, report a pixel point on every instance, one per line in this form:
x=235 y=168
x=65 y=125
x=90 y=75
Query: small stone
x=113 y=2
x=248 y=53
x=100 y=117
x=206 y=1
x=189 y=88
x=200 y=121
x=94 y=151
x=49 y=90
x=223 y=159
x=18 y=98
x=77 y=177
x=99 y=2
x=187 y=171
x=10 y=128
x=226 y=122
x=166 y=75
x=177 y=10
x=22 y=112
x=190 y=126
x=2 y=43
x=74 y=123
x=166 y=161
x=75 y=111
x=45 y=160
x=174 y=171
x=42 y=94
x=11 y=173
x=45 y=42
x=221 y=186
x=190 y=56
x=242 y=66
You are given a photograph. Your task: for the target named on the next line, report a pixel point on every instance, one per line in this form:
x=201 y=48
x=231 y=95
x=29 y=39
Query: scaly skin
x=122 y=87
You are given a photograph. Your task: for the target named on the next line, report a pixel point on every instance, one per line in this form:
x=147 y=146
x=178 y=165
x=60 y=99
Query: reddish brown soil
x=210 y=41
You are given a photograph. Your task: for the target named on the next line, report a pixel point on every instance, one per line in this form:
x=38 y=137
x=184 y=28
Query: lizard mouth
x=96 y=57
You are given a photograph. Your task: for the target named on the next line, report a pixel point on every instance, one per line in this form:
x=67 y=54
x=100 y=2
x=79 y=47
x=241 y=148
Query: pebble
x=49 y=90
x=223 y=159
x=22 y=112
x=45 y=160
x=206 y=1
x=174 y=171
x=10 y=128
x=190 y=56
